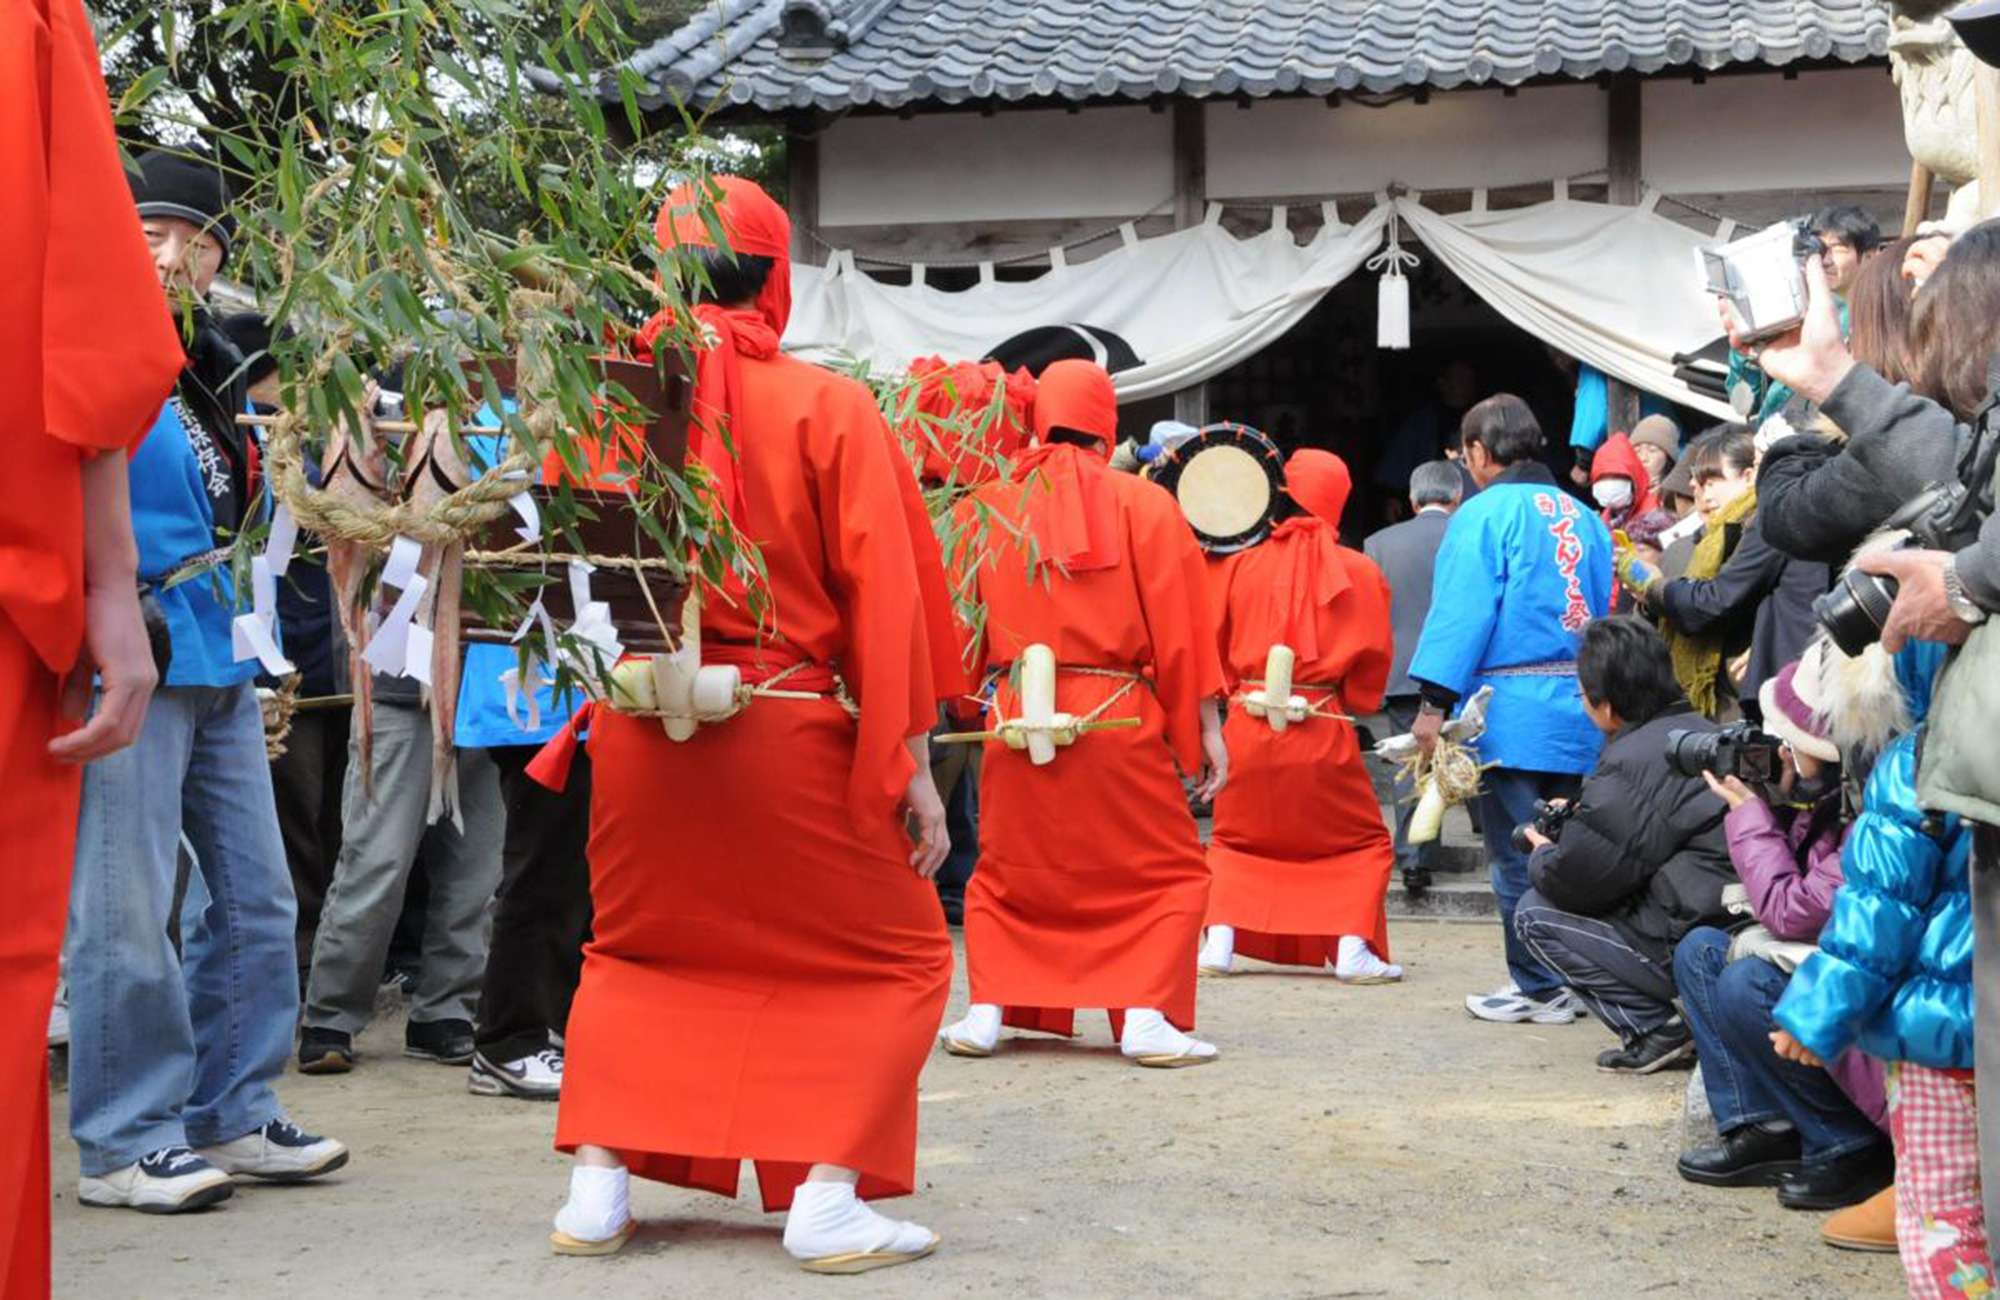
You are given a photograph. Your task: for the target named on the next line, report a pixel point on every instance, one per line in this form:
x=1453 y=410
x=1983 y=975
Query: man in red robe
x=767 y=954
x=1300 y=856
x=1091 y=883
x=87 y=344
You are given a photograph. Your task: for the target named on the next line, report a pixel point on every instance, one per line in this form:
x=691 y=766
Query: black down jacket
x=1644 y=849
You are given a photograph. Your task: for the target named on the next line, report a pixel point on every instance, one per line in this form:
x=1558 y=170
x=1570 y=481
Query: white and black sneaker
x=537 y=1077
x=171 y=1180
x=279 y=1152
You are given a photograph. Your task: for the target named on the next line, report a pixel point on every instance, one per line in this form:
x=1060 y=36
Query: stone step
x=1446 y=899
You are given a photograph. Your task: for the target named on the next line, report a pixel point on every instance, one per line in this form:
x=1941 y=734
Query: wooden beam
x=1190 y=163
x=1623 y=147
x=1986 y=92
x=802 y=193
x=1918 y=205
x=1190 y=208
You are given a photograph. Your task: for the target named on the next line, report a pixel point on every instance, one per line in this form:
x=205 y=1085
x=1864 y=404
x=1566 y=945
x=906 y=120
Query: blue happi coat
x=1522 y=571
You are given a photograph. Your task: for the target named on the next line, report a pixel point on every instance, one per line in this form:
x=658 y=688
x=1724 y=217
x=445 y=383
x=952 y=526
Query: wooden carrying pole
x=380 y=426
x=1986 y=98
x=1918 y=205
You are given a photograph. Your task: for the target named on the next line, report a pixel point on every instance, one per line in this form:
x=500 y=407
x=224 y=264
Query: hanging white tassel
x=1392 y=291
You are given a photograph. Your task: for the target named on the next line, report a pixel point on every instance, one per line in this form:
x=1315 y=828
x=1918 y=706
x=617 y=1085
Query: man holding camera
x=1641 y=859
x=1522 y=571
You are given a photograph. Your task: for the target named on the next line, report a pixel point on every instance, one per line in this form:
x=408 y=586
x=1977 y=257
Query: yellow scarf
x=1698 y=659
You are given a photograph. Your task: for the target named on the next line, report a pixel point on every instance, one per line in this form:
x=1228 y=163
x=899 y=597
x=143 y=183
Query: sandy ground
x=1351 y=1142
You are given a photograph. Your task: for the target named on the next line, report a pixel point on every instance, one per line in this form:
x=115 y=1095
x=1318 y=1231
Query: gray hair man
x=1405 y=553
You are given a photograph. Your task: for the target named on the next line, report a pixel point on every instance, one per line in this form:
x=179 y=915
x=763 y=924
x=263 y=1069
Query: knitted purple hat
x=1792 y=706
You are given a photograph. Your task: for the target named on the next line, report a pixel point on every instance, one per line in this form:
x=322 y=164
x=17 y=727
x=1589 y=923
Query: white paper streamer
x=405 y=554
x=389 y=649
x=417 y=653
x=255 y=635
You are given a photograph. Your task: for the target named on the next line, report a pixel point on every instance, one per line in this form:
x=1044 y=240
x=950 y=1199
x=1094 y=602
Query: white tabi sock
x=1357 y=960
x=981 y=1026
x=1147 y=1033
x=1219 y=949
x=828 y=1219
x=599 y=1204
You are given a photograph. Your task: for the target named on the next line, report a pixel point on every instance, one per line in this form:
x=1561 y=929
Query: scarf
x=1072 y=510
x=1312 y=576
x=1698 y=659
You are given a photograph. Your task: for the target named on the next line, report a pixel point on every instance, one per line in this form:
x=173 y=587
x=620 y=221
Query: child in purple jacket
x=1782 y=1124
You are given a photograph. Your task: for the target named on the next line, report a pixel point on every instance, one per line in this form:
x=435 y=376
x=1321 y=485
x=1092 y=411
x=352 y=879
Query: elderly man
x=1407 y=553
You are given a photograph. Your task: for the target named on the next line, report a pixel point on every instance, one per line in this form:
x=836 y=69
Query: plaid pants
x=1940 y=1225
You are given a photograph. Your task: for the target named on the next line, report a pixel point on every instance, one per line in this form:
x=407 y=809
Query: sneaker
x=325 y=1051
x=448 y=1042
x=1509 y=1006
x=1670 y=1046
x=536 y=1078
x=279 y=1152
x=171 y=1180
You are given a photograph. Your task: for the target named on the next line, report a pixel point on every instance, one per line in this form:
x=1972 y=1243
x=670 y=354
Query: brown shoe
x=1870 y=1225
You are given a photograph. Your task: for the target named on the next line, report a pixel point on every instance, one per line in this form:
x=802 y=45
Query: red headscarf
x=754 y=225
x=955 y=425
x=1072 y=509
x=1314 y=577
x=1618 y=458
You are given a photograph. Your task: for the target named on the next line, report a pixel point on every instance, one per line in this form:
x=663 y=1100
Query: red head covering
x=753 y=225
x=1314 y=578
x=1072 y=508
x=956 y=423
x=1618 y=458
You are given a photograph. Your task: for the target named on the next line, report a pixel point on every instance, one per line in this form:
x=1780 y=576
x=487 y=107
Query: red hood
x=1618 y=458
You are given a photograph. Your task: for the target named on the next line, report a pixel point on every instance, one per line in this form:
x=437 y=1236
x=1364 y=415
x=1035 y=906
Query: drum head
x=1226 y=479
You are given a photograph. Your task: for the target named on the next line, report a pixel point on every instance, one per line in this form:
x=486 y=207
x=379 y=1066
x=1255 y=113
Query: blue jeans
x=1506 y=800
x=167 y=1050
x=1728 y=1006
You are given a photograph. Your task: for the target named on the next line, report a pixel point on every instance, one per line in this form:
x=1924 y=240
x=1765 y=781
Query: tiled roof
x=833 y=55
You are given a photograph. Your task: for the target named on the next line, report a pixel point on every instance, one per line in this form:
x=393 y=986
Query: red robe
x=1091 y=883
x=88 y=352
x=1299 y=852
x=766 y=971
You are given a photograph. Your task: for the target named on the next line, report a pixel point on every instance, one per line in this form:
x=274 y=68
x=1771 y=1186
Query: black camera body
x=1739 y=750
x=1548 y=822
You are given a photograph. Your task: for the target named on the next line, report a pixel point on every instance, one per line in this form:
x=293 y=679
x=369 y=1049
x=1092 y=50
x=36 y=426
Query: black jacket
x=1761 y=588
x=1645 y=849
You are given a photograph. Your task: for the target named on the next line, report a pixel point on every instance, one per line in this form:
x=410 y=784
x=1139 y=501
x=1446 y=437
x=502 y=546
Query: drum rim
x=1166 y=471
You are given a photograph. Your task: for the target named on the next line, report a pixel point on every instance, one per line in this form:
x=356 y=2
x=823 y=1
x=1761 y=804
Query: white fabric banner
x=1612 y=286
x=1192 y=303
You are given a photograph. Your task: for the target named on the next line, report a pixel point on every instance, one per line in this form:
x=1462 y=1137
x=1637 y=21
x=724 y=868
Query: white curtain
x=1610 y=285
x=1192 y=303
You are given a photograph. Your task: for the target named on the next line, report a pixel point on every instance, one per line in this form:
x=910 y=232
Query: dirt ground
x=1351 y=1142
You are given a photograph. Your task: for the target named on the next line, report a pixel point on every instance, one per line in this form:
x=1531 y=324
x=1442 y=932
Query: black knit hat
x=193 y=189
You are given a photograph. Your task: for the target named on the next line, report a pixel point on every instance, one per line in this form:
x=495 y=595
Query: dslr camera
x=1548 y=822
x=1943 y=517
x=1739 y=750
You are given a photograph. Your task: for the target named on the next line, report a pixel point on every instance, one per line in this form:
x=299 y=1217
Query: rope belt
x=1547 y=668
x=1062 y=728
x=1294 y=713
x=768 y=689
x=1131 y=681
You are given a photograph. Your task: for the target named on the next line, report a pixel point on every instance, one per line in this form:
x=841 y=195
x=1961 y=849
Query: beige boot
x=1870 y=1225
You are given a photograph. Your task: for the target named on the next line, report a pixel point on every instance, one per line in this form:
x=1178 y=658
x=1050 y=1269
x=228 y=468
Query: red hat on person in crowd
x=1077 y=397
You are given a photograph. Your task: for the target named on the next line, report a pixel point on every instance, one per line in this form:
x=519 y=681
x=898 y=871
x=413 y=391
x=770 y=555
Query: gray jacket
x=1407 y=553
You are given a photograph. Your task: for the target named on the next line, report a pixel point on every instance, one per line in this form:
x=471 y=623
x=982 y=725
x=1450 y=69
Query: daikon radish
x=714 y=692
x=632 y=686
x=1428 y=819
x=673 y=684
x=1038 y=702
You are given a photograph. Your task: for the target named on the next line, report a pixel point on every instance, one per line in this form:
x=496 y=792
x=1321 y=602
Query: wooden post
x=1623 y=157
x=1918 y=205
x=1190 y=209
x=1986 y=91
x=802 y=191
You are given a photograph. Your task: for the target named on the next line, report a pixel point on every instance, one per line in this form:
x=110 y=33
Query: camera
x=1739 y=750
x=1548 y=822
x=1762 y=275
x=1943 y=517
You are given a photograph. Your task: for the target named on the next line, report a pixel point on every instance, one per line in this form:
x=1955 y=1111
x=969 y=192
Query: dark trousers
x=1629 y=989
x=1410 y=858
x=1729 y=1009
x=541 y=915
x=1506 y=800
x=306 y=782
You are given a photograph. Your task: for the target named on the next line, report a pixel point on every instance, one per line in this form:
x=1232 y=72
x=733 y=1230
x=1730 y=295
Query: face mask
x=1612 y=493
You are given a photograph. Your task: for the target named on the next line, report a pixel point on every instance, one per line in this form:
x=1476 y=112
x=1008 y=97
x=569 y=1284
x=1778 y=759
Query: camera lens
x=1692 y=752
x=1853 y=612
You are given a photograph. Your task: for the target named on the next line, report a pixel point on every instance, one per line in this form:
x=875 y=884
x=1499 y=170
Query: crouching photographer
x=1816 y=1135
x=1638 y=862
